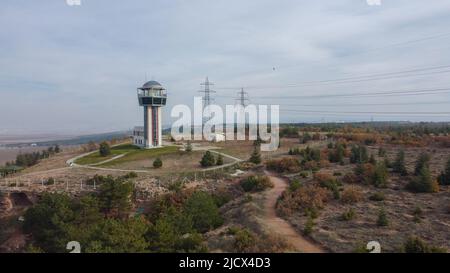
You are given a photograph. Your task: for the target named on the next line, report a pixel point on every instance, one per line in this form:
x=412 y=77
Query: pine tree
x=157 y=163
x=444 y=178
x=423 y=182
x=422 y=161
x=372 y=159
x=255 y=156
x=359 y=154
x=208 y=160
x=188 y=147
x=382 y=220
x=104 y=150
x=219 y=160
x=337 y=155
x=399 y=164
x=380 y=176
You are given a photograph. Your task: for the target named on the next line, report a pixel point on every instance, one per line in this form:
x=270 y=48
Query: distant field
x=9 y=154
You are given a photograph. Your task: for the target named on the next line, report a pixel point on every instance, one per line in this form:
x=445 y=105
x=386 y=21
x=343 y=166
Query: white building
x=218 y=137
x=138 y=136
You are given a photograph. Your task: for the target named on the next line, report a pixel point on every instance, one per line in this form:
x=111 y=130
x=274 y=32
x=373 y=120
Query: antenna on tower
x=207 y=92
x=242 y=98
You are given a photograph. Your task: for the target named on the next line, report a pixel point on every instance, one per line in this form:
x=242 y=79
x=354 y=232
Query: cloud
x=76 y=69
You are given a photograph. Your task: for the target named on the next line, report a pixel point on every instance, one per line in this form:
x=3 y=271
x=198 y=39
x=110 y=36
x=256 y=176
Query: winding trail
x=280 y=226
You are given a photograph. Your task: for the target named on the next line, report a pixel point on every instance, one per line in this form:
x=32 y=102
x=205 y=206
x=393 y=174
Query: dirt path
x=280 y=226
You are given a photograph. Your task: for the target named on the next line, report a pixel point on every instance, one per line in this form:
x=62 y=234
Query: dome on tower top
x=151 y=84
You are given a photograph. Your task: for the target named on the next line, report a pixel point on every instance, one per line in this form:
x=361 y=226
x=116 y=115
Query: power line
x=366 y=112
x=384 y=93
x=436 y=36
x=367 y=104
x=361 y=78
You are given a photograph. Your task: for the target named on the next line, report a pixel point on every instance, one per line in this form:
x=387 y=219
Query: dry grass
x=345 y=236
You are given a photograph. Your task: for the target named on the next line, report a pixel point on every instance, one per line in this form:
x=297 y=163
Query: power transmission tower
x=207 y=98
x=207 y=92
x=242 y=98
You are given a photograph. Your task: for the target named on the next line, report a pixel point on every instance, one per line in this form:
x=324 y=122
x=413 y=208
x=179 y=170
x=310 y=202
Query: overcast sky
x=75 y=69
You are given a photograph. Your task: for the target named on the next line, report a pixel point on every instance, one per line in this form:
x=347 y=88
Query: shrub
x=219 y=160
x=381 y=152
x=388 y=163
x=208 y=160
x=444 y=178
x=294 y=151
x=378 y=197
x=255 y=157
x=380 y=176
x=157 y=163
x=294 y=185
x=200 y=206
x=307 y=198
x=104 y=149
x=371 y=174
x=95 y=180
x=323 y=163
x=359 y=154
x=337 y=154
x=423 y=182
x=130 y=175
x=416 y=245
x=332 y=185
x=399 y=164
x=365 y=172
x=309 y=226
x=50 y=181
x=382 y=220
x=221 y=198
x=248 y=198
x=348 y=215
x=176 y=186
x=256 y=183
x=417 y=214
x=311 y=165
x=304 y=174
x=361 y=248
x=329 y=182
x=372 y=159
x=188 y=147
x=283 y=165
x=244 y=239
x=351 y=195
x=350 y=178
x=422 y=161
x=305 y=138
x=114 y=196
x=309 y=154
